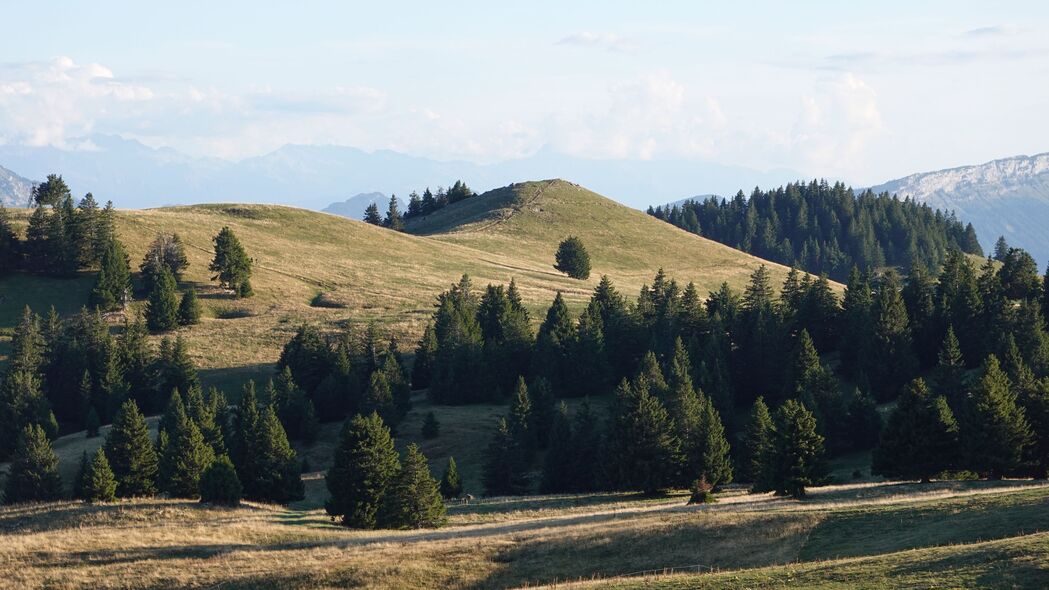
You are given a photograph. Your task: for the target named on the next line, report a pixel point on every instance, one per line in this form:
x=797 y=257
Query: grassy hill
x=314 y=267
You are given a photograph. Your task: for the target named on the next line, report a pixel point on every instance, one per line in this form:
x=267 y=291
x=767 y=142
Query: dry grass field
x=845 y=536
x=332 y=271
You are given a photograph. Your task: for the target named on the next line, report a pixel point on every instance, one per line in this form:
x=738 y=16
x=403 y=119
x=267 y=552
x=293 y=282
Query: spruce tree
x=166 y=250
x=558 y=474
x=553 y=345
x=797 y=457
x=394 y=220
x=893 y=355
x=713 y=446
x=279 y=476
x=413 y=498
x=644 y=445
x=520 y=419
x=231 y=263
x=113 y=282
x=758 y=440
x=219 y=484
x=99 y=483
x=189 y=308
x=505 y=466
x=451 y=483
x=425 y=356
x=131 y=453
x=950 y=369
x=573 y=259
x=162 y=305
x=184 y=457
x=33 y=475
x=920 y=439
x=371 y=214
x=378 y=397
x=363 y=466
x=431 y=427
x=995 y=430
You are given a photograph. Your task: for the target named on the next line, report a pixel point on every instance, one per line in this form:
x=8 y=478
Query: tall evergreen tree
x=757 y=447
x=893 y=355
x=413 y=498
x=554 y=343
x=394 y=220
x=921 y=437
x=363 y=466
x=219 y=483
x=231 y=263
x=451 y=483
x=504 y=467
x=185 y=456
x=713 y=446
x=950 y=369
x=113 y=283
x=371 y=214
x=162 y=306
x=559 y=462
x=131 y=453
x=646 y=449
x=166 y=250
x=33 y=475
x=797 y=457
x=995 y=430
x=99 y=483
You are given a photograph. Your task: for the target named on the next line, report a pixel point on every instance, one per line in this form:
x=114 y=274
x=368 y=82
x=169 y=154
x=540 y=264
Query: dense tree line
x=428 y=202
x=824 y=228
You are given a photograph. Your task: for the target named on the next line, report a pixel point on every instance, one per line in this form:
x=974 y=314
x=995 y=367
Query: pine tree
x=995 y=430
x=520 y=419
x=162 y=306
x=219 y=484
x=921 y=437
x=797 y=457
x=893 y=356
x=113 y=283
x=504 y=468
x=431 y=427
x=99 y=483
x=189 y=308
x=279 y=476
x=451 y=483
x=131 y=453
x=950 y=368
x=543 y=411
x=363 y=466
x=231 y=263
x=573 y=259
x=713 y=446
x=425 y=356
x=558 y=474
x=33 y=475
x=371 y=214
x=394 y=220
x=413 y=498
x=184 y=457
x=378 y=397
x=644 y=445
x=91 y=423
x=758 y=439
x=52 y=191
x=553 y=345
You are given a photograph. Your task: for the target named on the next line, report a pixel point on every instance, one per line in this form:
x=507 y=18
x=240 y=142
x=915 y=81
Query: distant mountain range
x=1007 y=197
x=134 y=175
x=355 y=206
x=15 y=191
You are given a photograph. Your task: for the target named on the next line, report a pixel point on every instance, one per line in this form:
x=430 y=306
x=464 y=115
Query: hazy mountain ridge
x=15 y=191
x=134 y=175
x=1007 y=197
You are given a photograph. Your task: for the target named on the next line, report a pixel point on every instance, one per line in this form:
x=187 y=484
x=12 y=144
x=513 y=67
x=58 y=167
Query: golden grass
x=332 y=271
x=167 y=543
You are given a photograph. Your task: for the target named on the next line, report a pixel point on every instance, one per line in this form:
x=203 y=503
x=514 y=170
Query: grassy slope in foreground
x=377 y=274
x=160 y=543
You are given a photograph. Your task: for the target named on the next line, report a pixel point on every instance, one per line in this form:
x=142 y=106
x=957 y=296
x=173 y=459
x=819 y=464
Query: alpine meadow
x=567 y=296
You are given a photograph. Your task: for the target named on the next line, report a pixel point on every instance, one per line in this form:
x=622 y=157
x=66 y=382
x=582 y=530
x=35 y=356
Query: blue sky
x=863 y=93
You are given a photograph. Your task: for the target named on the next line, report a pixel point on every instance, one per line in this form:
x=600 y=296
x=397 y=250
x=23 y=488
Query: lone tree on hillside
x=33 y=476
x=572 y=258
x=231 y=263
x=52 y=191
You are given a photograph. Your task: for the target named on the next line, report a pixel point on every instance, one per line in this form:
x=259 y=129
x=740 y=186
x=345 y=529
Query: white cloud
x=837 y=123
x=46 y=103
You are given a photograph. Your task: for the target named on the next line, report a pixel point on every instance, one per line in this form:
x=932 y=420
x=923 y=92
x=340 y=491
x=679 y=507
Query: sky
x=833 y=89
